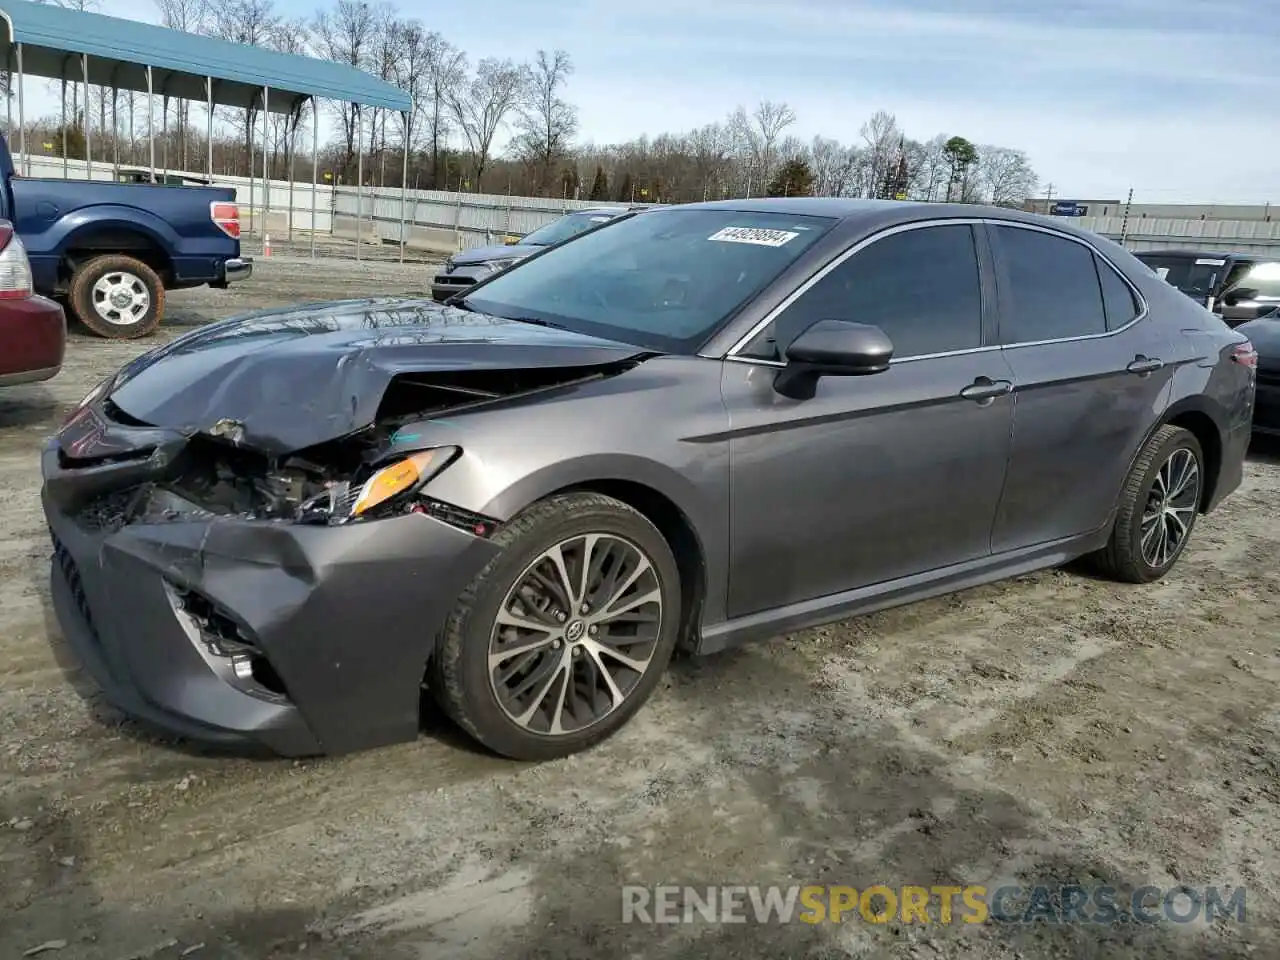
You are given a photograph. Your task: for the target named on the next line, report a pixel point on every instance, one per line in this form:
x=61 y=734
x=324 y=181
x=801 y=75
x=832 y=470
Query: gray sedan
x=467 y=268
x=696 y=427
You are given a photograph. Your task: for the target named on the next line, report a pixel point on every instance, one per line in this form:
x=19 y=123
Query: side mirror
x=832 y=348
x=1236 y=294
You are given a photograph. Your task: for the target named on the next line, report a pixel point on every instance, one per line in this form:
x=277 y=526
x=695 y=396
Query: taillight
x=15 y=268
x=226 y=216
x=1245 y=355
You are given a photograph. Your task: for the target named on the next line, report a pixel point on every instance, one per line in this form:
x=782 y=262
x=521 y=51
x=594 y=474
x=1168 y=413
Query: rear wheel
x=117 y=297
x=565 y=634
x=1158 y=508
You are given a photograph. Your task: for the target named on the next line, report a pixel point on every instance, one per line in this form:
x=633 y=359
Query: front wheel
x=117 y=297
x=565 y=634
x=1158 y=508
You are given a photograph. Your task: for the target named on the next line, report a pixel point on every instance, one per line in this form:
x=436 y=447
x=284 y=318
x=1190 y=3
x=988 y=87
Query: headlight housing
x=496 y=265
x=388 y=490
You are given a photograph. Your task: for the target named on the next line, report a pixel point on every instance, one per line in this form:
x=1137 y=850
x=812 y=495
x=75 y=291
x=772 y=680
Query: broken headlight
x=389 y=487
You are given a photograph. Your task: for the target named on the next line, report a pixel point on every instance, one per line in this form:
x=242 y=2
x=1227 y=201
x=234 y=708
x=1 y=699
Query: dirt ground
x=1050 y=729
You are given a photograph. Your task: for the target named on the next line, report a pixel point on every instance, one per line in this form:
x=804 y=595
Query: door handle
x=1143 y=365
x=984 y=390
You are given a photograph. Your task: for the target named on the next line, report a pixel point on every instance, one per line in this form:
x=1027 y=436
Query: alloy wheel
x=575 y=634
x=1170 y=509
x=121 y=298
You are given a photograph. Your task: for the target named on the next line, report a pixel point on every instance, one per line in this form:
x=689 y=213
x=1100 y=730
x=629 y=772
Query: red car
x=33 y=330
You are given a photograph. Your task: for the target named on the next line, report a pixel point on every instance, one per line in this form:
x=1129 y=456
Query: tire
x=93 y=284
x=1124 y=557
x=531 y=728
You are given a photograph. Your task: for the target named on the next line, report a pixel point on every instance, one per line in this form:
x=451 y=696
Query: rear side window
x=1049 y=287
x=1118 y=299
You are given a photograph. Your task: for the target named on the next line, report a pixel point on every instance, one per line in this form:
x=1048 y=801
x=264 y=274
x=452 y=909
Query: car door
x=881 y=476
x=1091 y=374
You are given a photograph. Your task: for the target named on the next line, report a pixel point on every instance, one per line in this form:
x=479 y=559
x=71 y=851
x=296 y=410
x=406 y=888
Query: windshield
x=564 y=228
x=663 y=279
x=1198 y=277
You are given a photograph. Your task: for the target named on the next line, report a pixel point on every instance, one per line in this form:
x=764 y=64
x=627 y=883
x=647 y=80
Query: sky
x=1165 y=96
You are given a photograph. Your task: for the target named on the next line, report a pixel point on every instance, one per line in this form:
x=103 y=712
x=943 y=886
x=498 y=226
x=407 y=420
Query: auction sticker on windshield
x=757 y=235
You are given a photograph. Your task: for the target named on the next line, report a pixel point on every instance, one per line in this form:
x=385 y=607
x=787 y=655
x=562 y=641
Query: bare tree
x=446 y=72
x=547 y=121
x=1005 y=175
x=188 y=16
x=882 y=138
x=770 y=119
x=347 y=35
x=252 y=22
x=482 y=105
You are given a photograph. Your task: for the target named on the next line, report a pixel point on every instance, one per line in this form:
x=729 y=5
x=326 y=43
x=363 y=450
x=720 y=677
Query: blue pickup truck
x=111 y=250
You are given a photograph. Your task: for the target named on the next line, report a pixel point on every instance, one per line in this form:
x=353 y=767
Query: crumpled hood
x=515 y=251
x=287 y=379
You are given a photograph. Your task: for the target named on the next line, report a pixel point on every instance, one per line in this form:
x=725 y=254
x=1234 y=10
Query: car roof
x=879 y=214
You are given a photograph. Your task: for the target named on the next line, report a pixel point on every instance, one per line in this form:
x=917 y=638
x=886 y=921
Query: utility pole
x=1124 y=224
x=1048 y=199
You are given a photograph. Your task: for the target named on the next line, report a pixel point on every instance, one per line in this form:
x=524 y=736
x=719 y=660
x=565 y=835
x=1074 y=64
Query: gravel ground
x=1050 y=729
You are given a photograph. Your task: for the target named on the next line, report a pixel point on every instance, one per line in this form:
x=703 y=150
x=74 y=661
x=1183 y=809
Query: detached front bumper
x=304 y=639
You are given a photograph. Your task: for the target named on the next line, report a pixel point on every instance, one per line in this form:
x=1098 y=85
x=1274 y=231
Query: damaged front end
x=228 y=593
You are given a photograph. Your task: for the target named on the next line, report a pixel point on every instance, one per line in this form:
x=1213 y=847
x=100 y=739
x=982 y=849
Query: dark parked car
x=1237 y=287
x=699 y=425
x=33 y=330
x=462 y=270
x=1264 y=334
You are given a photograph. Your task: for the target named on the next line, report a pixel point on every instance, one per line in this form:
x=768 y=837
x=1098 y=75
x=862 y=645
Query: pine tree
x=795 y=179
x=624 y=189
x=600 y=185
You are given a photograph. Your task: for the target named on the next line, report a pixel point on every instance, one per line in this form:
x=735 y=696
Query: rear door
x=1091 y=374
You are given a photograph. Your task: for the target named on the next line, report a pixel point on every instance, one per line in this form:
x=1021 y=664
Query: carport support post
x=266 y=157
x=115 y=129
x=164 y=128
x=359 y=174
x=22 y=120
x=208 y=99
x=404 y=183
x=88 y=140
x=151 y=121
x=315 y=167
x=64 y=126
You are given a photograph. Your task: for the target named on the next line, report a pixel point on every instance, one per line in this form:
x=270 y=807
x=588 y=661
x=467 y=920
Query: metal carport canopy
x=53 y=39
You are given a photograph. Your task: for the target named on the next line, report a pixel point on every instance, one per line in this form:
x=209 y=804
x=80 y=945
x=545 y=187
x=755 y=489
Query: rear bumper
x=33 y=340
x=237 y=269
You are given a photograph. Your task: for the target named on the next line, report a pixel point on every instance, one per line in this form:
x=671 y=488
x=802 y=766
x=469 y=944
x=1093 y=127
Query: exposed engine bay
x=219 y=473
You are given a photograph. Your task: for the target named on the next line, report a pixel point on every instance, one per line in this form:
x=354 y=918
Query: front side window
x=663 y=279
x=1049 y=287
x=920 y=286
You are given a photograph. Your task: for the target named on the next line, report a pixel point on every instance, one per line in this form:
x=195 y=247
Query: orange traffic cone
x=266 y=244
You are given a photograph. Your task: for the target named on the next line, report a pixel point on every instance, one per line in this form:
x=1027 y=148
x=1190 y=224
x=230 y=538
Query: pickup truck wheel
x=117 y=297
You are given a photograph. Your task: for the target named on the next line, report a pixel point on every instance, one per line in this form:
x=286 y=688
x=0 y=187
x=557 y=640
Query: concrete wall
x=1165 y=233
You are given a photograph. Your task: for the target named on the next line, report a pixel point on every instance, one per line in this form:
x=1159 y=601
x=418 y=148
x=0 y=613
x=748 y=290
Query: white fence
x=434 y=219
